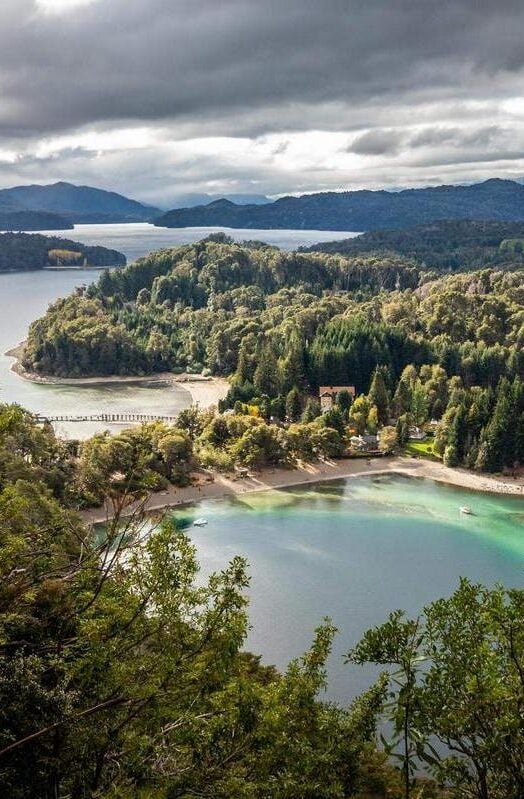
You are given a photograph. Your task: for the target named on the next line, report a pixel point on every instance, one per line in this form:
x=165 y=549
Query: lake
x=136 y=239
x=24 y=296
x=354 y=550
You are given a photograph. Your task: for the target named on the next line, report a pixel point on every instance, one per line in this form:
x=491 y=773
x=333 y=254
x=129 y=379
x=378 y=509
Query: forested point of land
x=417 y=346
x=452 y=245
x=23 y=252
x=123 y=673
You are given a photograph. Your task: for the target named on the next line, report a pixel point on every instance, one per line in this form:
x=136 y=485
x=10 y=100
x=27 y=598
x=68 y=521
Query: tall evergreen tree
x=497 y=449
x=379 y=395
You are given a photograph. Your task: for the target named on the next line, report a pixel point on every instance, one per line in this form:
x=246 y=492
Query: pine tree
x=311 y=411
x=498 y=448
x=293 y=405
x=379 y=396
x=266 y=378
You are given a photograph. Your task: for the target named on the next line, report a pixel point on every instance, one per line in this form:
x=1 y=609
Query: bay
x=354 y=550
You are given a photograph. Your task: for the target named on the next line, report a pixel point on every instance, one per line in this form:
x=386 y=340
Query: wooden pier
x=111 y=418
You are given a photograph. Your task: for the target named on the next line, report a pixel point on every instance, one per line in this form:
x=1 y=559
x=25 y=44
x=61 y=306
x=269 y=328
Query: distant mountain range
x=192 y=200
x=361 y=210
x=60 y=205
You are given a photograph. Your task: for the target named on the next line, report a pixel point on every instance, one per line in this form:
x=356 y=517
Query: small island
x=27 y=251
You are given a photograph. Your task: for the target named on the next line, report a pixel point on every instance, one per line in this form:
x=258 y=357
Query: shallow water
x=354 y=550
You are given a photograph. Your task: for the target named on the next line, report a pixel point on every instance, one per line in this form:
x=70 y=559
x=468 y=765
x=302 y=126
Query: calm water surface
x=24 y=296
x=355 y=550
x=139 y=238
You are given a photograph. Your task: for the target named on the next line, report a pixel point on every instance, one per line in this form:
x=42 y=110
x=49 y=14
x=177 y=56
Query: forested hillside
x=73 y=204
x=417 y=347
x=22 y=251
x=33 y=220
x=123 y=673
x=362 y=210
x=450 y=245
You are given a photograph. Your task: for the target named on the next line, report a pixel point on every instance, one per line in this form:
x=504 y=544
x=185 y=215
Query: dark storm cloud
x=384 y=89
x=203 y=59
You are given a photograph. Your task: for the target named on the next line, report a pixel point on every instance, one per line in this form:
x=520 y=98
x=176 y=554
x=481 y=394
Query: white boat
x=466 y=509
x=200 y=522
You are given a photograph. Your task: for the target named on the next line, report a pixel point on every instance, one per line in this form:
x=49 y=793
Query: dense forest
x=416 y=346
x=361 y=210
x=123 y=673
x=22 y=251
x=455 y=245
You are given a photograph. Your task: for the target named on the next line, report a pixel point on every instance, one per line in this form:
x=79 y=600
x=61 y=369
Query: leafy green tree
x=343 y=401
x=396 y=643
x=461 y=684
x=311 y=411
x=498 y=436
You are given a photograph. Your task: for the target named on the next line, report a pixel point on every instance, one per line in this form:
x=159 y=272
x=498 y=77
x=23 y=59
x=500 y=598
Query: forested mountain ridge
x=454 y=245
x=33 y=220
x=80 y=204
x=23 y=252
x=362 y=210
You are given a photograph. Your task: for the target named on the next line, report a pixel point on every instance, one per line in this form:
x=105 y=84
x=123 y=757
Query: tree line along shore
x=418 y=349
x=124 y=673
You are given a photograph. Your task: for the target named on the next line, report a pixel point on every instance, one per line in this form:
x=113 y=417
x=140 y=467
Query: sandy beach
x=216 y=486
x=204 y=391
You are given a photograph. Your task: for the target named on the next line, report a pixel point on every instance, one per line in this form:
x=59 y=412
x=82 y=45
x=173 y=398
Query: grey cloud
x=377 y=142
x=250 y=68
x=457 y=137
x=176 y=59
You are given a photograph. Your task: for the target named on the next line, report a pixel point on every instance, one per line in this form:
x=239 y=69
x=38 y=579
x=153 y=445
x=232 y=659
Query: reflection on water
x=355 y=550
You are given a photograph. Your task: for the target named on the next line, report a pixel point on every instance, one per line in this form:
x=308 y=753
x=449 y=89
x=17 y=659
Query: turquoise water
x=354 y=550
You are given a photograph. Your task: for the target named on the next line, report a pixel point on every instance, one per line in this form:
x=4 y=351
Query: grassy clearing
x=422 y=449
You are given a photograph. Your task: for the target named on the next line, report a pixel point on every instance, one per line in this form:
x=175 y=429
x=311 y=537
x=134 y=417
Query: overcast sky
x=156 y=98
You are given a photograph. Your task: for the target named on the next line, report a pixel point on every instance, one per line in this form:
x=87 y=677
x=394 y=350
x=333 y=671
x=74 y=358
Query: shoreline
x=204 y=391
x=220 y=486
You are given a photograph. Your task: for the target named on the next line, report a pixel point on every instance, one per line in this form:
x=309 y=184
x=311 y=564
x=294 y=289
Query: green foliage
x=122 y=672
x=448 y=245
x=282 y=324
x=22 y=251
x=459 y=682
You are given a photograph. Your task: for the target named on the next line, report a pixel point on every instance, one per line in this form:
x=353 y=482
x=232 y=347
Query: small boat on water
x=200 y=523
x=466 y=510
